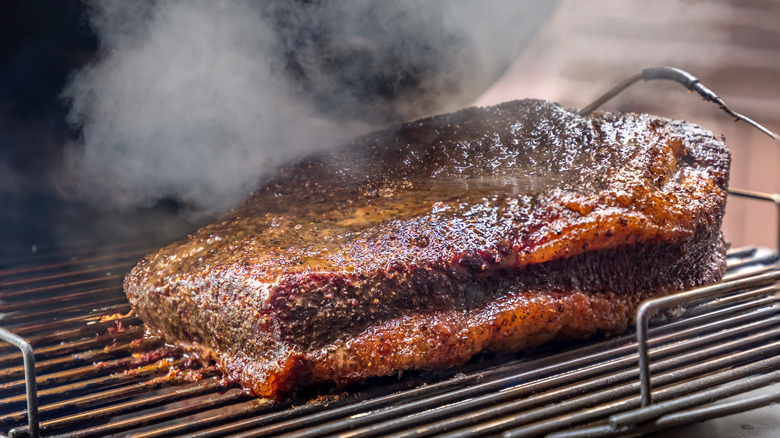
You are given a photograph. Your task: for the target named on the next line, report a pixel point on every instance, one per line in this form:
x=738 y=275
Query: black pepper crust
x=442 y=218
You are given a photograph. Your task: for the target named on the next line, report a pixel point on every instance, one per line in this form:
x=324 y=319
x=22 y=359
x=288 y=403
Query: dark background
x=41 y=43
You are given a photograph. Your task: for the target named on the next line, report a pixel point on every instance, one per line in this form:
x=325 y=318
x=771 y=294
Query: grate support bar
x=28 y=357
x=703 y=413
x=655 y=411
x=718 y=410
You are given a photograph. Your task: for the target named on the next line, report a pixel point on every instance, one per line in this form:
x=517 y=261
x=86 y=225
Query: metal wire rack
x=77 y=364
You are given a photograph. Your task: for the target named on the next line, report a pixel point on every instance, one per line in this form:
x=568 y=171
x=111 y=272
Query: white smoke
x=199 y=100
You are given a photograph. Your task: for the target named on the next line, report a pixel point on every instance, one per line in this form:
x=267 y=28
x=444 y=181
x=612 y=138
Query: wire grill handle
x=30 y=382
x=653 y=306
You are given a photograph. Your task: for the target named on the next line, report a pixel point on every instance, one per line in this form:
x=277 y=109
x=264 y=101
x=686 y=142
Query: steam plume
x=199 y=100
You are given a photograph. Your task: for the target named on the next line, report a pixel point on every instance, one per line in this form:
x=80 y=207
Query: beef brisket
x=488 y=229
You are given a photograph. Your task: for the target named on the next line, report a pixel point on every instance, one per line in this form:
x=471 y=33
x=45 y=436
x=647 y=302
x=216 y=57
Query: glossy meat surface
x=419 y=246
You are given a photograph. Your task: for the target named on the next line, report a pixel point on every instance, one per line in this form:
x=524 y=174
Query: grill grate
x=97 y=376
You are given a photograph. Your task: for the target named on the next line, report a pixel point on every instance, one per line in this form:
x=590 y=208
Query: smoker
x=75 y=361
x=82 y=348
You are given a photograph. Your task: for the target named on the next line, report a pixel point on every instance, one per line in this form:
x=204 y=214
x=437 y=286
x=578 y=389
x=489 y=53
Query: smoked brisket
x=417 y=247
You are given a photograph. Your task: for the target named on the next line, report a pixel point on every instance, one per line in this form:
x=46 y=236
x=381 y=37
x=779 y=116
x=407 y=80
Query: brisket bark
x=488 y=229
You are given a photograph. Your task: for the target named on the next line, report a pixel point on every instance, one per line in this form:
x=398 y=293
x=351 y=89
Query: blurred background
x=154 y=117
x=732 y=46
